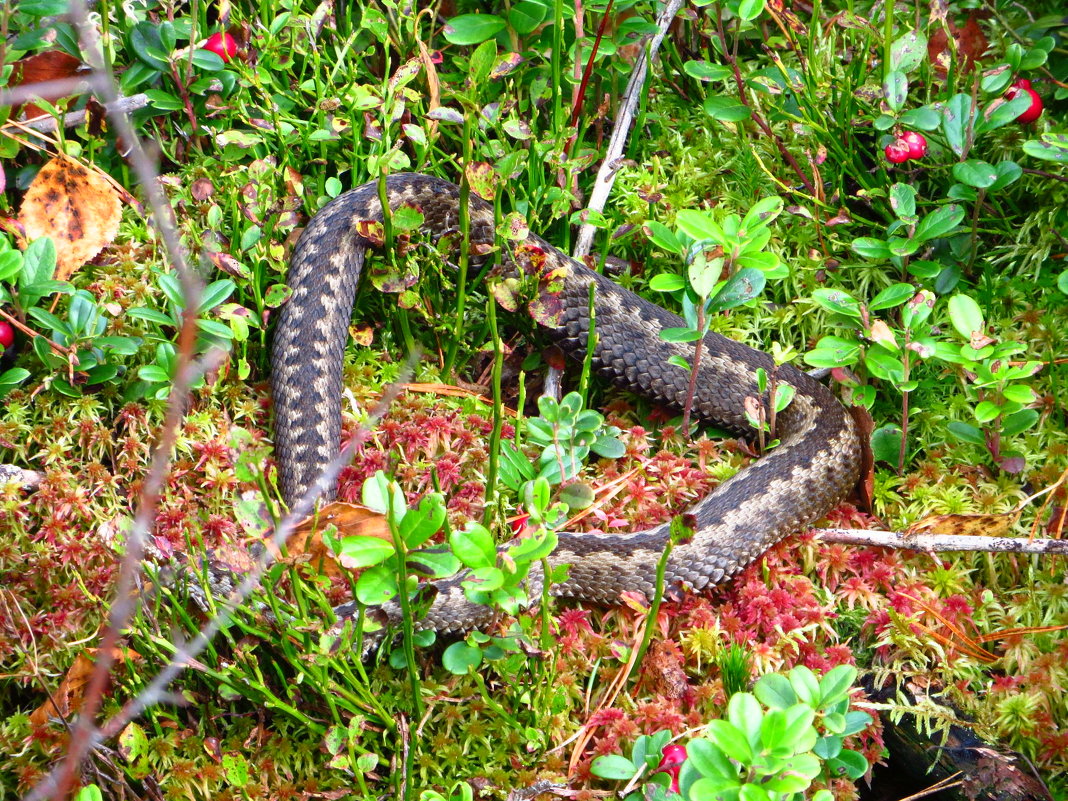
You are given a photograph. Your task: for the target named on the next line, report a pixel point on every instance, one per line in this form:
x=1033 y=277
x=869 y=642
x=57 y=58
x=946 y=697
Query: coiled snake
x=814 y=466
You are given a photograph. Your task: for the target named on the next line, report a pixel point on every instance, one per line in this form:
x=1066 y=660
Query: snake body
x=815 y=465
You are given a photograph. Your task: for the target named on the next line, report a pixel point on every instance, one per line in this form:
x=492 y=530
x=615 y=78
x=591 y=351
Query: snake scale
x=815 y=465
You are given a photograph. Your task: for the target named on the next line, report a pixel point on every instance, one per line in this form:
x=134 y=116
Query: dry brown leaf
x=350 y=520
x=74 y=205
x=52 y=65
x=965 y=525
x=67 y=697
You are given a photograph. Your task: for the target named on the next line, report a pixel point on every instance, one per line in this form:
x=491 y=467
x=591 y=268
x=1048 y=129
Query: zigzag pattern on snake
x=815 y=465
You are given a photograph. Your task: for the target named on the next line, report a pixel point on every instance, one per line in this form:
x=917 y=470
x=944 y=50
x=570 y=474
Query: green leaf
x=749 y=10
x=363 y=551
x=892 y=296
x=856 y=721
x=1018 y=422
x=871 y=248
x=730 y=740
x=1008 y=172
x=577 y=495
x=613 y=766
x=678 y=361
x=1019 y=393
x=966 y=433
x=939 y=222
x=745 y=714
x=834 y=351
x=10 y=379
x=704 y=274
x=437 y=562
x=700 y=226
x=854 y=765
x=679 y=335
x=726 y=109
x=974 y=172
x=908 y=51
x=924 y=118
x=835 y=685
x=376 y=585
x=527 y=15
x=10 y=264
x=739 y=289
x=461 y=658
x=903 y=201
x=805 y=684
x=837 y=301
x=1050 y=147
x=422 y=523
x=153 y=374
x=709 y=760
x=609 y=447
x=483 y=579
x=471 y=29
x=958 y=116
x=703 y=71
x=895 y=89
x=38 y=262
x=965 y=315
x=474 y=546
x=1002 y=112
x=662 y=237
x=985 y=411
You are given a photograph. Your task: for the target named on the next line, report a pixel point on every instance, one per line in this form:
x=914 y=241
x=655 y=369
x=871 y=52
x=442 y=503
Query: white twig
x=940 y=542
x=123 y=105
x=606 y=175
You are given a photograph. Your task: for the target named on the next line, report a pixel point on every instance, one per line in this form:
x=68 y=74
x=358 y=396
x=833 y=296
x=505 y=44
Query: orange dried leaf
x=67 y=698
x=75 y=206
x=350 y=520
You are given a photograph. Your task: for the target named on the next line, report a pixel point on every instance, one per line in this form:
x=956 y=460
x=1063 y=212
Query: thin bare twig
x=610 y=165
x=940 y=542
x=124 y=105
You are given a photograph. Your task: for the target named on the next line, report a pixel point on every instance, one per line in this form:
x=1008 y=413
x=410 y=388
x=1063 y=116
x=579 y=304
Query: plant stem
x=591 y=344
x=498 y=412
x=692 y=388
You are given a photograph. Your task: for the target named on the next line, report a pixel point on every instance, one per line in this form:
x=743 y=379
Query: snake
x=814 y=466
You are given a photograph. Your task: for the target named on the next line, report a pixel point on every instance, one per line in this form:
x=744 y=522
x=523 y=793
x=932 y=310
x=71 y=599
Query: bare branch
x=940 y=542
x=610 y=164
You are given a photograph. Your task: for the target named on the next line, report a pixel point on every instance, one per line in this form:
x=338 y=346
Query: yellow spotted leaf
x=76 y=206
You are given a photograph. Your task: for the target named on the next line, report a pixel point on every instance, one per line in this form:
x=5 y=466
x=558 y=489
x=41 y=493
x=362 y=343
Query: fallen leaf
x=66 y=699
x=77 y=207
x=53 y=65
x=350 y=520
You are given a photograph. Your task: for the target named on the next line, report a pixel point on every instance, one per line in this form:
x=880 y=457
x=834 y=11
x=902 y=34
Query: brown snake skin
x=813 y=468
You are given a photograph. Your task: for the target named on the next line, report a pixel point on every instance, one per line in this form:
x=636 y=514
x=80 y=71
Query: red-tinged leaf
x=482 y=179
x=505 y=64
x=372 y=231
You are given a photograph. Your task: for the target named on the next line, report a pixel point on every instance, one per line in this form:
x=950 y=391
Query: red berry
x=1035 y=110
x=223 y=45
x=917 y=144
x=897 y=152
x=671 y=764
x=7 y=334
